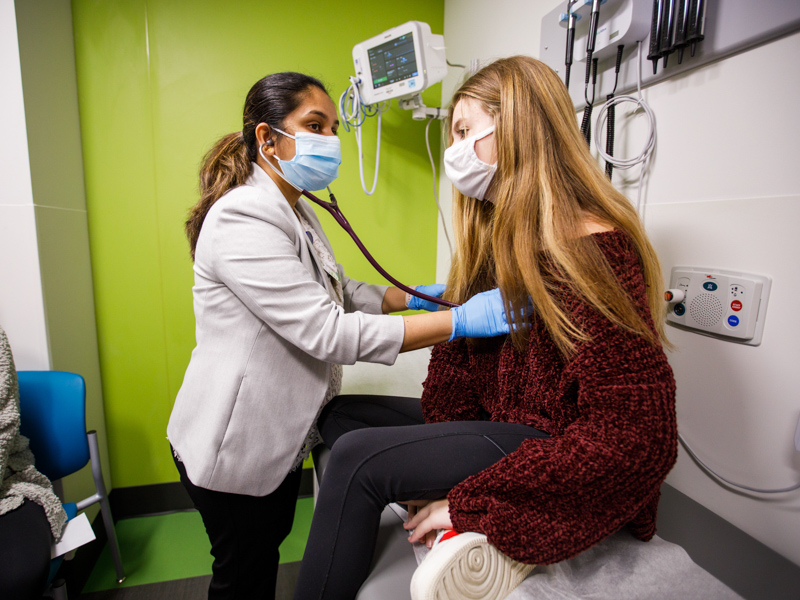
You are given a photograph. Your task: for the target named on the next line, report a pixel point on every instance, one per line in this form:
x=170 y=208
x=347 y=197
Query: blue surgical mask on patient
x=315 y=163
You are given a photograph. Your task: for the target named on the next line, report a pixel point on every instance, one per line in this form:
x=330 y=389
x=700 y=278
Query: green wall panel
x=159 y=82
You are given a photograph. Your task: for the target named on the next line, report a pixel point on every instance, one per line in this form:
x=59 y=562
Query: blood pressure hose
x=333 y=208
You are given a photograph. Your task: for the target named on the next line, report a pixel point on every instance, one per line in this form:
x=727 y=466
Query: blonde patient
x=531 y=447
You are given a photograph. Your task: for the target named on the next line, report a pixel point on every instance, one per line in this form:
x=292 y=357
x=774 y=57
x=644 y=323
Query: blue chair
x=53 y=418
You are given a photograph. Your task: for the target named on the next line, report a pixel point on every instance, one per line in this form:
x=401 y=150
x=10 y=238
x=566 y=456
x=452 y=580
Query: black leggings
x=374 y=462
x=24 y=552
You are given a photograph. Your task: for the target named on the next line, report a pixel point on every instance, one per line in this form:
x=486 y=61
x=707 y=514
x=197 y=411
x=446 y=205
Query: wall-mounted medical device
x=623 y=22
x=399 y=63
x=727 y=27
x=726 y=304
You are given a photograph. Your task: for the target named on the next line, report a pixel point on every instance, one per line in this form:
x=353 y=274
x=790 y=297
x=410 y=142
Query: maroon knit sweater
x=609 y=409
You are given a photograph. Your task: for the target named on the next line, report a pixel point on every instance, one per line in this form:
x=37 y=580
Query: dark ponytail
x=227 y=164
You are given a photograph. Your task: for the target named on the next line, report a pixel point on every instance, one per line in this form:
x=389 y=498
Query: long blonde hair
x=530 y=241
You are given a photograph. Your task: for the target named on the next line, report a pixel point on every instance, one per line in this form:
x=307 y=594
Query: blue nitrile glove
x=483 y=315
x=435 y=289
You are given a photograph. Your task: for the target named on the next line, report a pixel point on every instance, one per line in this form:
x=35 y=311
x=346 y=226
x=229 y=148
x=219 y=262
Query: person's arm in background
x=365 y=297
x=16 y=459
x=9 y=411
x=396 y=300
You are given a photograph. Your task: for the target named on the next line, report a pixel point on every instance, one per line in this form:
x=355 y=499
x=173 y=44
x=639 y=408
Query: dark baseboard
x=149 y=500
x=163 y=498
x=138 y=501
x=741 y=562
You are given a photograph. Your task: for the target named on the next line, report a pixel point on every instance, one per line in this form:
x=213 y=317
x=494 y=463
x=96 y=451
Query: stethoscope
x=333 y=208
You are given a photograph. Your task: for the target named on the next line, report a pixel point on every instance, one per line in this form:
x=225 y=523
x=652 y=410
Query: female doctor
x=276 y=317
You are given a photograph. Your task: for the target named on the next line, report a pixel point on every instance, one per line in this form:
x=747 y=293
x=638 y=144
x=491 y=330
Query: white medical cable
x=711 y=471
x=353 y=114
x=361 y=159
x=643 y=157
x=436 y=191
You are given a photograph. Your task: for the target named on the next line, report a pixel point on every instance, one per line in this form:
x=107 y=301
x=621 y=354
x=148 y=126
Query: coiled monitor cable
x=353 y=113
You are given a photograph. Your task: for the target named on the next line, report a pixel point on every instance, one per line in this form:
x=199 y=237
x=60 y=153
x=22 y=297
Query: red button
x=736 y=305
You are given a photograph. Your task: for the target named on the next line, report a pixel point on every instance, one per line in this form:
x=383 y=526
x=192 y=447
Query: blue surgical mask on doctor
x=315 y=163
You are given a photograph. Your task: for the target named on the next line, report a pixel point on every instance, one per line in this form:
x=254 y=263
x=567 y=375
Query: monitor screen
x=393 y=61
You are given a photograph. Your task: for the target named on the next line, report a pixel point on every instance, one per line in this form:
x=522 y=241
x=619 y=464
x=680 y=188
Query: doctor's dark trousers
x=381 y=452
x=245 y=533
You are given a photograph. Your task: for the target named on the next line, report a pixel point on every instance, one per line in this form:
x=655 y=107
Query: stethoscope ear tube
x=333 y=208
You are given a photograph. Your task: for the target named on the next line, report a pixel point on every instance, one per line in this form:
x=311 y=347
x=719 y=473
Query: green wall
x=159 y=81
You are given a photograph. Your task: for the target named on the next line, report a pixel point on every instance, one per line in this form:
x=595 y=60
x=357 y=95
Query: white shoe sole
x=467 y=567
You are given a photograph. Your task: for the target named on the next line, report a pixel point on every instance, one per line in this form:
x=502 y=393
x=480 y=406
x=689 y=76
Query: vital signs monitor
x=399 y=63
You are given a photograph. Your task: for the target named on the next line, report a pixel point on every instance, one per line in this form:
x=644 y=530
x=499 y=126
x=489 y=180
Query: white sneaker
x=465 y=566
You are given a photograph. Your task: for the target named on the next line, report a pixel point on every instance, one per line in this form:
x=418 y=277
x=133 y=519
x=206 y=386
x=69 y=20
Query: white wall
x=403 y=378
x=21 y=303
x=724 y=191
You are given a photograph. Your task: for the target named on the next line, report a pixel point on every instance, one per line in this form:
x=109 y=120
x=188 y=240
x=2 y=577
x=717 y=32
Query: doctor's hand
x=436 y=290
x=481 y=316
x=427 y=518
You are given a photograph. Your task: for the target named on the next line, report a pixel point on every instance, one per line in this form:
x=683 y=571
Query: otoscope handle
x=681 y=27
x=681 y=23
x=333 y=208
x=655 y=34
x=592 y=33
x=667 y=29
x=570 y=45
x=696 y=23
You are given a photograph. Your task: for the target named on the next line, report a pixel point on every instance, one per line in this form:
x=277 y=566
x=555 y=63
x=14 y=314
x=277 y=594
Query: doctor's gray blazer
x=267 y=332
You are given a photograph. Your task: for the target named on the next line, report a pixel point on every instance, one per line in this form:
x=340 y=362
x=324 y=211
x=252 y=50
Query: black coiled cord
x=586 y=124
x=611 y=115
x=610 y=135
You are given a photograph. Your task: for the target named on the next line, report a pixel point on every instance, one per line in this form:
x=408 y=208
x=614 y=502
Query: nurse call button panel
x=720 y=303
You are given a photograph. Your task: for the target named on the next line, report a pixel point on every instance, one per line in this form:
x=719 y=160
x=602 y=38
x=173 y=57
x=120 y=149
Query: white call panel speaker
x=720 y=303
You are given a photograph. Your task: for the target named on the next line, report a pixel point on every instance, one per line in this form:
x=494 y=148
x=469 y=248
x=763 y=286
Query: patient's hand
x=425 y=517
